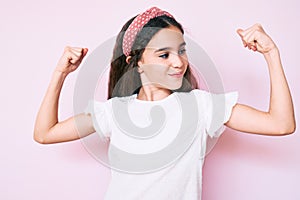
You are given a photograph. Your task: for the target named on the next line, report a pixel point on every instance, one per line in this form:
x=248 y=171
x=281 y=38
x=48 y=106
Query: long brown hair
x=124 y=79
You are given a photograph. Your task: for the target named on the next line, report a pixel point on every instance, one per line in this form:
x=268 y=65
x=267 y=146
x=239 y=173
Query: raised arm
x=47 y=127
x=279 y=119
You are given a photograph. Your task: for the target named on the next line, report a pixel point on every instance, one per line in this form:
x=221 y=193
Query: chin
x=175 y=86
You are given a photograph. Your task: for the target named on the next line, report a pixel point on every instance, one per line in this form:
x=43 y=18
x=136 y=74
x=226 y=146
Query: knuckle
x=67 y=48
x=258 y=26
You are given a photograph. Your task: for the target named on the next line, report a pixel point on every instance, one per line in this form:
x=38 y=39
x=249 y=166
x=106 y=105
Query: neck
x=149 y=93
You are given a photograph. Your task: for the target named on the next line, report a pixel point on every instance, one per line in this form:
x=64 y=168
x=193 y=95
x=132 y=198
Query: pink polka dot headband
x=137 y=24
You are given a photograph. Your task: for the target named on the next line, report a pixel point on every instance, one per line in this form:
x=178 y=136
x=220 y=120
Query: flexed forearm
x=47 y=117
x=281 y=105
x=279 y=119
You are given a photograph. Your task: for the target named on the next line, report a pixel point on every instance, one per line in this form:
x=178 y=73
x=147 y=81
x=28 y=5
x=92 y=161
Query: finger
x=83 y=54
x=249 y=42
x=240 y=32
x=250 y=37
x=251 y=34
x=252 y=28
x=73 y=57
x=84 y=51
x=245 y=35
x=256 y=39
x=77 y=51
x=80 y=52
x=254 y=48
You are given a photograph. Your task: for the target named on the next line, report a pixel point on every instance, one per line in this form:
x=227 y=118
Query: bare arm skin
x=279 y=119
x=47 y=127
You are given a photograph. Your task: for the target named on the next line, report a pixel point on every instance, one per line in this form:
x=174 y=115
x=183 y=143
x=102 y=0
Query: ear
x=140 y=63
x=128 y=59
x=140 y=70
x=139 y=67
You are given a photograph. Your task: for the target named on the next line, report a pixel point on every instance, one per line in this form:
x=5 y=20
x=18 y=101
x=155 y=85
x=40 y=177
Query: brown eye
x=165 y=55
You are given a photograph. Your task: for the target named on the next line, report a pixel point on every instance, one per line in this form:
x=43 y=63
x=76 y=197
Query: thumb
x=240 y=32
x=84 y=52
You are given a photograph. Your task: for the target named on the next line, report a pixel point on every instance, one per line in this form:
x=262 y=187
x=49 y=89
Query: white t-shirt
x=157 y=148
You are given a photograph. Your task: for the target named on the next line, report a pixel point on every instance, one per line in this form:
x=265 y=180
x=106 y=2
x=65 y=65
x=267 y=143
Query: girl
x=150 y=73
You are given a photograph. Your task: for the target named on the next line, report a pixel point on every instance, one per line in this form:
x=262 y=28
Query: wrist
x=58 y=77
x=272 y=57
x=271 y=53
x=60 y=74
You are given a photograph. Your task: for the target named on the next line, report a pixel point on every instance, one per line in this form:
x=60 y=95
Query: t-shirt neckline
x=155 y=101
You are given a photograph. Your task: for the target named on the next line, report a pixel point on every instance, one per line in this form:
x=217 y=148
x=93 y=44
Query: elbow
x=38 y=137
x=287 y=129
x=291 y=129
x=39 y=140
x=283 y=125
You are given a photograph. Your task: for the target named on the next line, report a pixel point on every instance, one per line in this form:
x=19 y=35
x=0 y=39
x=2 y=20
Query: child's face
x=164 y=60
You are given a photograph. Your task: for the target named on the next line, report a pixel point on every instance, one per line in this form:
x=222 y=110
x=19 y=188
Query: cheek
x=186 y=61
x=157 y=74
x=155 y=70
x=186 y=65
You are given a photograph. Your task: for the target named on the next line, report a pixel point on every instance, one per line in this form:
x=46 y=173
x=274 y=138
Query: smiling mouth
x=177 y=74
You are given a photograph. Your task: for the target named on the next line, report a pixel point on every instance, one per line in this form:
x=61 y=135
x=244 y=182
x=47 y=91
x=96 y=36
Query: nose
x=177 y=60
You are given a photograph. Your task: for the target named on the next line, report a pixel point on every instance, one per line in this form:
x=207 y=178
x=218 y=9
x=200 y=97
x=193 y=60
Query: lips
x=177 y=74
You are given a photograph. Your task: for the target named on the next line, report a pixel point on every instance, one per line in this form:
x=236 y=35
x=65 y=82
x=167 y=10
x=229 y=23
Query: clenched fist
x=71 y=59
x=256 y=39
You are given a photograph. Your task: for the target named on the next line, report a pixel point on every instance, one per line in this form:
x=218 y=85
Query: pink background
x=241 y=167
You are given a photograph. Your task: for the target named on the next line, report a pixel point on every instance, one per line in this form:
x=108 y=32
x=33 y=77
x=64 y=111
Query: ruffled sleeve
x=100 y=117
x=218 y=111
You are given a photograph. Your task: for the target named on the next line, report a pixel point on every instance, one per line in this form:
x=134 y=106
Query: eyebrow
x=168 y=48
